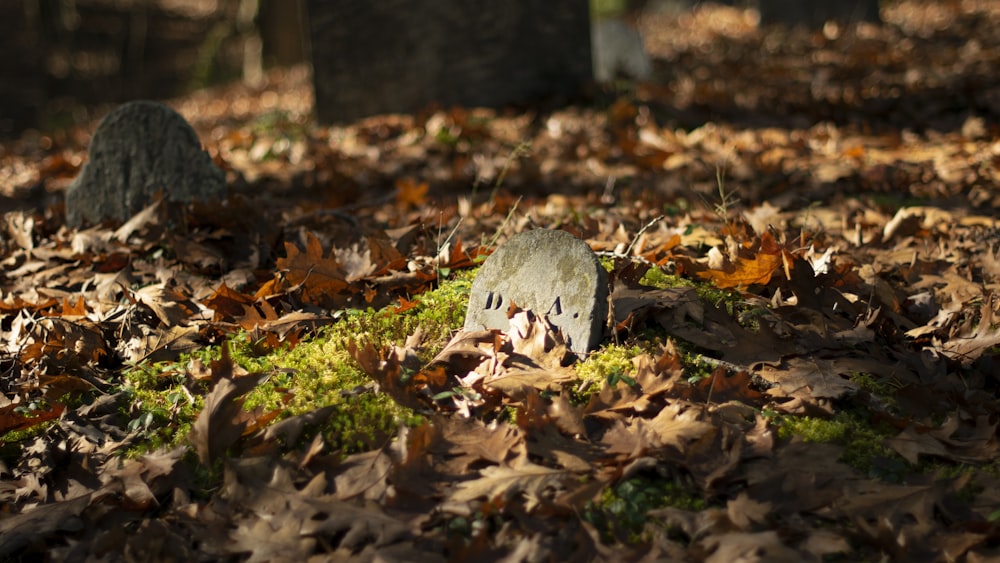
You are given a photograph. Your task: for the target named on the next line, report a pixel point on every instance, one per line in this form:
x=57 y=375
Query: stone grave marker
x=139 y=149
x=551 y=273
x=399 y=56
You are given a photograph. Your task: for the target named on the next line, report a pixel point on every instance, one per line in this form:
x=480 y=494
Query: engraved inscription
x=550 y=273
x=555 y=309
x=493 y=301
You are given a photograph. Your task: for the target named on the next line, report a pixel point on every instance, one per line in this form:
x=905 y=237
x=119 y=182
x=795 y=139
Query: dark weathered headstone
x=139 y=149
x=551 y=273
x=815 y=13
x=402 y=55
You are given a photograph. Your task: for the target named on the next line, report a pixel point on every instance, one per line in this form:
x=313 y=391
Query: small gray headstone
x=139 y=149
x=551 y=273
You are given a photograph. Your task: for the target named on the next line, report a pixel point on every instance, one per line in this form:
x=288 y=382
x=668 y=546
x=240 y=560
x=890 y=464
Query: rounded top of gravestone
x=139 y=149
x=551 y=273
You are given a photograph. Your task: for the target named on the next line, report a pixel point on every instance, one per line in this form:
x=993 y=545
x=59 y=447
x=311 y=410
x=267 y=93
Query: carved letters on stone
x=551 y=273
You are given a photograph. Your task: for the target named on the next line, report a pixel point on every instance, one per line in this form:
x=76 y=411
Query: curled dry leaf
x=221 y=422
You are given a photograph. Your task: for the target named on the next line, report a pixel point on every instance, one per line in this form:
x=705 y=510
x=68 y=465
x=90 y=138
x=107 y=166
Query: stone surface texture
x=551 y=273
x=394 y=56
x=138 y=150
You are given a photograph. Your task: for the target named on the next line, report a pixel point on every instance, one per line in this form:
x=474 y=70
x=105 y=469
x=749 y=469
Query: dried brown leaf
x=323 y=278
x=17 y=417
x=954 y=440
x=19 y=530
x=811 y=380
x=973 y=339
x=220 y=424
x=505 y=482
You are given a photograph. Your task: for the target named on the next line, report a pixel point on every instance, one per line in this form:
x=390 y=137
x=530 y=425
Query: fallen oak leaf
x=256 y=314
x=653 y=379
x=746 y=272
x=290 y=429
x=678 y=425
x=969 y=343
x=770 y=256
x=676 y=303
x=296 y=322
x=20 y=530
x=404 y=305
x=951 y=441
x=164 y=344
x=469 y=348
x=363 y=475
x=276 y=521
x=719 y=388
x=227 y=303
x=459 y=446
x=322 y=278
x=398 y=374
x=458 y=257
x=535 y=337
x=514 y=383
x=748 y=546
x=140 y=479
x=356 y=262
x=566 y=416
x=220 y=424
x=530 y=356
x=57 y=386
x=505 y=482
x=169 y=306
x=813 y=380
x=384 y=255
x=16 y=417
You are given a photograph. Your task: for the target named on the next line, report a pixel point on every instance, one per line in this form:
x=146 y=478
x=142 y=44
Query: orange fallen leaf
x=71 y=309
x=404 y=305
x=411 y=193
x=746 y=272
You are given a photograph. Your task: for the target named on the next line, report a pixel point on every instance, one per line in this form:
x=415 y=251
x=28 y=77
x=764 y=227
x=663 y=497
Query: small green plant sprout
x=625 y=506
x=727 y=199
x=519 y=151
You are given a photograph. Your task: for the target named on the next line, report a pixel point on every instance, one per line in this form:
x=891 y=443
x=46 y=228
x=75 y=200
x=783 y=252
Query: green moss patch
x=164 y=400
x=863 y=442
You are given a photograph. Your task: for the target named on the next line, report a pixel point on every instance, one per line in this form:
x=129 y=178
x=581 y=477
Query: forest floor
x=801 y=235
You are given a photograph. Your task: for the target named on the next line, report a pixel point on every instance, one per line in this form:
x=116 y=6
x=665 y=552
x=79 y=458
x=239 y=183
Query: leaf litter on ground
x=840 y=281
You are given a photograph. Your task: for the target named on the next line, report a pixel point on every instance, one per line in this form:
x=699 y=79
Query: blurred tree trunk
x=100 y=51
x=283 y=27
